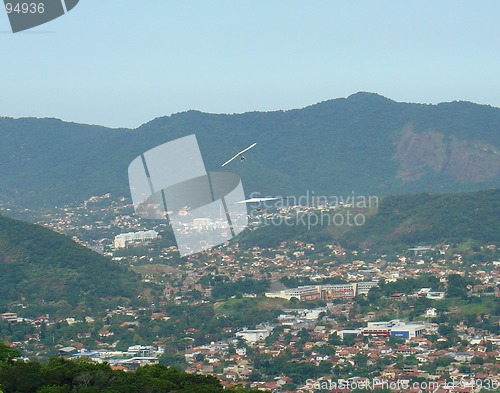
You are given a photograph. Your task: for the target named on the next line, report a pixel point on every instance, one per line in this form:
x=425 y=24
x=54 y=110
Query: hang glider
x=240 y=154
x=259 y=200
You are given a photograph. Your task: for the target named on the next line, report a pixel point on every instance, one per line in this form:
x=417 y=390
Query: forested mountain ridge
x=365 y=142
x=49 y=272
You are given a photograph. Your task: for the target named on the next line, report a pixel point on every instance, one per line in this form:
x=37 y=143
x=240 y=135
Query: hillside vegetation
x=50 y=273
x=366 y=143
x=402 y=221
x=431 y=219
x=61 y=375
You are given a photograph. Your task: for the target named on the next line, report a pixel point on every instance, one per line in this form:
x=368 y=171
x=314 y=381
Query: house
x=105 y=333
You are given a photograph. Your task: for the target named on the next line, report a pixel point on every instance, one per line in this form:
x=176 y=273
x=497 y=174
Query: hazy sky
x=123 y=62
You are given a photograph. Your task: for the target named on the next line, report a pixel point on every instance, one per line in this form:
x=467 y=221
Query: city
x=279 y=318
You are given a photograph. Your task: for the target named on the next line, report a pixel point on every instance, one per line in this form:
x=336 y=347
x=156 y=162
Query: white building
x=325 y=292
x=435 y=295
x=139 y=237
x=394 y=328
x=141 y=350
x=306 y=292
x=202 y=223
x=252 y=336
x=343 y=333
x=362 y=288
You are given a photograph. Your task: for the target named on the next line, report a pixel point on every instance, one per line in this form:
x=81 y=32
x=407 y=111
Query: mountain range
x=364 y=143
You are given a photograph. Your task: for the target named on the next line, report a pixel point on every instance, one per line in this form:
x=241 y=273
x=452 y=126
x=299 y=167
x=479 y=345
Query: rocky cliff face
x=419 y=154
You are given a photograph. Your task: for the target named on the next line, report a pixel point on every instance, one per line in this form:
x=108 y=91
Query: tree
x=457 y=286
x=349 y=340
x=7 y=353
x=395 y=341
x=173 y=360
x=21 y=377
x=411 y=360
x=334 y=339
x=64 y=376
x=199 y=357
x=445 y=329
x=360 y=360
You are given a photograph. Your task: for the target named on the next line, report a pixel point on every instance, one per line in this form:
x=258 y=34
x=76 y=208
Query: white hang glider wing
x=259 y=200
x=239 y=154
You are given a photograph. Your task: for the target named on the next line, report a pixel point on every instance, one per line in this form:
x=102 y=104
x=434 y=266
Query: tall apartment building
x=134 y=237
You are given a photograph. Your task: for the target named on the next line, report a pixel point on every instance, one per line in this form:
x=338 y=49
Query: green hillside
x=49 y=273
x=365 y=142
x=431 y=219
x=401 y=221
